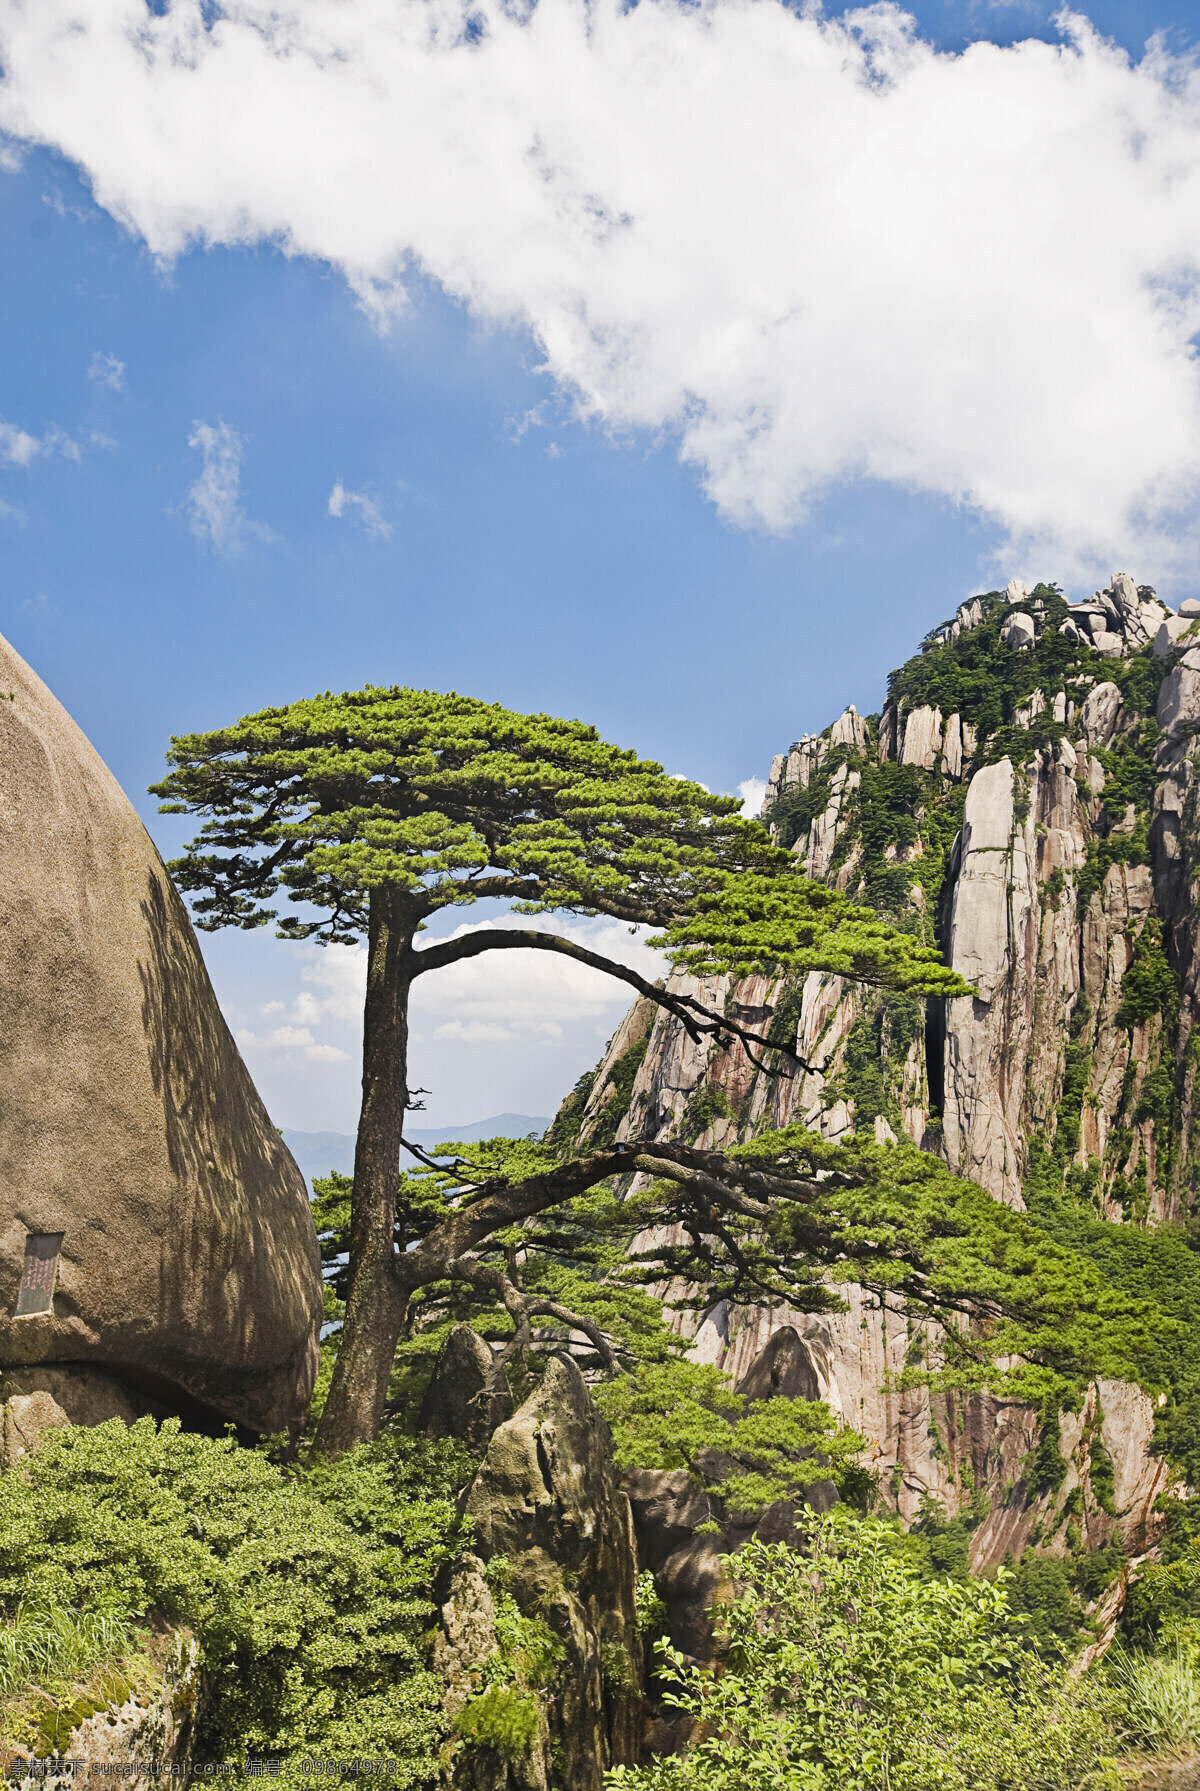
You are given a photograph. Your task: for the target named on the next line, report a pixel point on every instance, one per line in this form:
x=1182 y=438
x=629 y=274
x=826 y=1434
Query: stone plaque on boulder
x=36 y=1292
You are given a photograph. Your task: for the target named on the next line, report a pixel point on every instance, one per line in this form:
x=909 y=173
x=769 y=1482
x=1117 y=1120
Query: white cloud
x=214 y=506
x=497 y=998
x=752 y=790
x=107 y=370
x=350 y=503
x=491 y=1032
x=291 y=1040
x=57 y=441
x=16 y=447
x=19 y=448
x=532 y=995
x=814 y=248
x=340 y=971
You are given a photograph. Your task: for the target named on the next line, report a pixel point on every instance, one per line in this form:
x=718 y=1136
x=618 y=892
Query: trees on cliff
x=373 y=811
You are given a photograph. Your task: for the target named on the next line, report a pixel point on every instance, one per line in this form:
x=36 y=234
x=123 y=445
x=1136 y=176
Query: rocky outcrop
x=24 y=1421
x=683 y=1531
x=134 y=1721
x=156 y=1227
x=1017 y=804
x=546 y=1502
x=466 y=1397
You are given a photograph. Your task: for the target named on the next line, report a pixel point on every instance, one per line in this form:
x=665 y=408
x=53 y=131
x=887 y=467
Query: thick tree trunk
x=375 y=1304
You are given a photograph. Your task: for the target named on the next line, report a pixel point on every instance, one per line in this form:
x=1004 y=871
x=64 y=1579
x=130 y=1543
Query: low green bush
x=847 y=1670
x=501 y=1719
x=306 y=1592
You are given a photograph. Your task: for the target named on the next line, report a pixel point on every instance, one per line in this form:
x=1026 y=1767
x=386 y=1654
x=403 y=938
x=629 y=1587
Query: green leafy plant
x=847 y=1670
x=502 y=1719
x=307 y=1593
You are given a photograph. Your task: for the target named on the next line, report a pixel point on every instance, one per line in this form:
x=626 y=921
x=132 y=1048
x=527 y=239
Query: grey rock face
x=85 y=1395
x=154 y=1224
x=465 y=1398
x=141 y=1738
x=922 y=738
x=1019 y=632
x=783 y=1369
x=547 y=1499
x=1169 y=632
x=1100 y=714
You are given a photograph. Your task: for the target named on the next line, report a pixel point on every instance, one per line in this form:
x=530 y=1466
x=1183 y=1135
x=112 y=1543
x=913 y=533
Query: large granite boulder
x=152 y=1223
x=546 y=1498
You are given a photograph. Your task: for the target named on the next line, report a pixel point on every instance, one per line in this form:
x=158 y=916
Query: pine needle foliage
x=1013 y=1307
x=448 y=799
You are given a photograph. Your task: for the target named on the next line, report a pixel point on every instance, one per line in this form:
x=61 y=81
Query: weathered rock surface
x=156 y=1226
x=137 y=1736
x=465 y=1397
x=24 y=1422
x=547 y=1499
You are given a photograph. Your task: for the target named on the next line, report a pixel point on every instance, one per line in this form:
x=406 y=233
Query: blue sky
x=233 y=475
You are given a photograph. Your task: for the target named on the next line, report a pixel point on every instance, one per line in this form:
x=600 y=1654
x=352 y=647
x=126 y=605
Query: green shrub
x=1148 y=986
x=621 y=1079
x=502 y=1719
x=306 y=1593
x=849 y=1671
x=683 y=1414
x=705 y=1104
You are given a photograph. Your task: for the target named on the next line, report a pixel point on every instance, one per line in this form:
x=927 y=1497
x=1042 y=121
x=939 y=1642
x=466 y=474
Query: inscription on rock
x=36 y=1292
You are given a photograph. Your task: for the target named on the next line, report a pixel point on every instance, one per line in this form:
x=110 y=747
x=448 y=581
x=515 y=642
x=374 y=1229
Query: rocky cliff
x=1025 y=798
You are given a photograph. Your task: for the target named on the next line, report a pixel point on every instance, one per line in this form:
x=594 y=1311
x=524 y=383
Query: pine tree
x=372 y=811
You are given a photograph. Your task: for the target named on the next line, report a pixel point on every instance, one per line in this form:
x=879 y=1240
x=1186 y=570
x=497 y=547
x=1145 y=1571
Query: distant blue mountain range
x=317 y=1153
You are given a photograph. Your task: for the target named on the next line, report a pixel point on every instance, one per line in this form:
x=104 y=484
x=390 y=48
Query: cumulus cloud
x=107 y=370
x=289 y=1041
x=752 y=790
x=505 y=996
x=19 y=448
x=215 y=512
x=354 y=503
x=814 y=248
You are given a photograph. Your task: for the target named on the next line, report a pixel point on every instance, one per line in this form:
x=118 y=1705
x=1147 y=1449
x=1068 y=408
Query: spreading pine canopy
x=447 y=799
